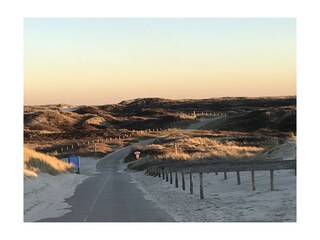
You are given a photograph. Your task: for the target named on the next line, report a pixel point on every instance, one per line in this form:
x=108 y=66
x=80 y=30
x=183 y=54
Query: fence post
x=225 y=175
x=177 y=184
x=201 y=185
x=191 y=184
x=271 y=180
x=162 y=173
x=183 y=182
x=170 y=177
x=238 y=178
x=159 y=173
x=252 y=180
x=167 y=178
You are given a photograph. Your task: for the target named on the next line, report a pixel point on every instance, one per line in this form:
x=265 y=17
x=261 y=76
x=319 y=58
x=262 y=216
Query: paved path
x=111 y=196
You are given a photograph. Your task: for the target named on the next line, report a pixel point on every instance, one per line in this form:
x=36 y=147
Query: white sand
x=44 y=196
x=224 y=199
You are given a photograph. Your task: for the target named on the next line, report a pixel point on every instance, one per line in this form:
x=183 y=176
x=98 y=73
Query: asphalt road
x=111 y=196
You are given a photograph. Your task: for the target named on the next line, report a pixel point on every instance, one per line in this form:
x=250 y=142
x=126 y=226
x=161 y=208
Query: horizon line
x=171 y=99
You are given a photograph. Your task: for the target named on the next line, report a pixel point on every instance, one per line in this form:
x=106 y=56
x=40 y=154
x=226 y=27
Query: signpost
x=137 y=153
x=75 y=161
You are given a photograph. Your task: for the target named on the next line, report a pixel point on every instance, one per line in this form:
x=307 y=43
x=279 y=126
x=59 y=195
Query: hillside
x=35 y=162
x=58 y=125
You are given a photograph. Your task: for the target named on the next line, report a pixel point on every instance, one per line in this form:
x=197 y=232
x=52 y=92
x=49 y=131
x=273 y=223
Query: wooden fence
x=216 y=166
x=77 y=144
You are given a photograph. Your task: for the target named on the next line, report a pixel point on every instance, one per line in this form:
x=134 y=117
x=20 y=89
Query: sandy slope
x=44 y=196
x=224 y=199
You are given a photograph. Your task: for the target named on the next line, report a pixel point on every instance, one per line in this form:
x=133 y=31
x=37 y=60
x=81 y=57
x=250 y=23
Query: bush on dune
x=35 y=162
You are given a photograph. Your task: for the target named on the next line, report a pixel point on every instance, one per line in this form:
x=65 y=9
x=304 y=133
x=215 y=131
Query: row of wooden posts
x=218 y=114
x=167 y=175
x=71 y=146
x=106 y=139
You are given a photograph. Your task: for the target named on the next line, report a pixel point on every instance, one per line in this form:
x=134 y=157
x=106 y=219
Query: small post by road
x=238 y=178
x=170 y=177
x=271 y=180
x=163 y=174
x=253 y=181
x=225 y=175
x=177 y=184
x=201 y=185
x=183 y=182
x=167 y=177
x=191 y=183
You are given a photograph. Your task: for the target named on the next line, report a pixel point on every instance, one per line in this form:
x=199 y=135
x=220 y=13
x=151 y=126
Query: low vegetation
x=35 y=162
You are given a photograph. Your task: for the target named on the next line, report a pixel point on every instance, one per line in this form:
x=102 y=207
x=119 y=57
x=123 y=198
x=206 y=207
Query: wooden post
x=191 y=184
x=162 y=174
x=271 y=180
x=177 y=184
x=201 y=185
x=167 y=177
x=159 y=173
x=238 y=178
x=225 y=175
x=175 y=148
x=252 y=180
x=183 y=182
x=170 y=177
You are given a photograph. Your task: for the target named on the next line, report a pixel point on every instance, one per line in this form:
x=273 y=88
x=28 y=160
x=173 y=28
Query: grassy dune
x=35 y=162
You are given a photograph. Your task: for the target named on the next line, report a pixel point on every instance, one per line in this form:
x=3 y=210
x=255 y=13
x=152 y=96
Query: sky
x=102 y=61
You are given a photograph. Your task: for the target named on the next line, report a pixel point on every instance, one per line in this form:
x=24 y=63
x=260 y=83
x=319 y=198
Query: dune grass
x=35 y=162
x=191 y=146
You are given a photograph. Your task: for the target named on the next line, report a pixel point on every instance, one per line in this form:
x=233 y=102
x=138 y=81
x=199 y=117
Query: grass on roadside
x=35 y=162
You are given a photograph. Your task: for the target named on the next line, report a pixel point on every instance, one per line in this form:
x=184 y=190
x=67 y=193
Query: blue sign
x=75 y=161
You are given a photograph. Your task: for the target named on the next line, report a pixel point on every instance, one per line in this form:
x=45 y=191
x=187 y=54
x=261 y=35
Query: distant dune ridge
x=157 y=111
x=62 y=124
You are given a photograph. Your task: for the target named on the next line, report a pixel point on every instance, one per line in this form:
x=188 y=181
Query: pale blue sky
x=109 y=60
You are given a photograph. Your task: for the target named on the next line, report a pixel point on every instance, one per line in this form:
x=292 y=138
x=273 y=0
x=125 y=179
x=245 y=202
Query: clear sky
x=101 y=61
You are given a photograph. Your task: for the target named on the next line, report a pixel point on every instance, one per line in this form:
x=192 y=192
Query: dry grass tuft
x=35 y=162
x=193 y=148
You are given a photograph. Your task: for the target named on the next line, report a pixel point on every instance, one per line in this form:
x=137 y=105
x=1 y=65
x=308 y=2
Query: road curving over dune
x=111 y=195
